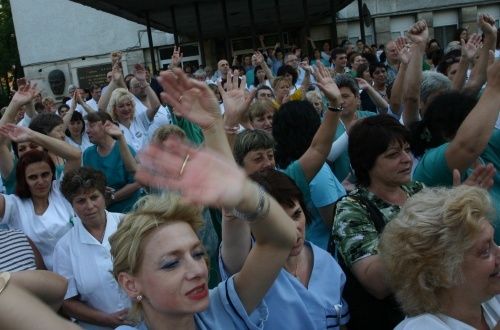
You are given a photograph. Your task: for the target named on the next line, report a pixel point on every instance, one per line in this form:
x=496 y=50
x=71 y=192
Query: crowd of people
x=355 y=188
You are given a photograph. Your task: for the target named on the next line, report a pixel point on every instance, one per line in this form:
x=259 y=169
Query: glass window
x=445 y=34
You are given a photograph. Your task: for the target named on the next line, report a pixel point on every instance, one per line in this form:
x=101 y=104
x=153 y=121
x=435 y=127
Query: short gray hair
x=200 y=73
x=346 y=80
x=432 y=82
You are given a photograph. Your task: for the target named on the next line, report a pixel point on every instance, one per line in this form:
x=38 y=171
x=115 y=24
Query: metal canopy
x=211 y=17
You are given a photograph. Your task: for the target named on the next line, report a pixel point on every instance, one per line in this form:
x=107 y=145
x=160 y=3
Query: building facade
x=76 y=40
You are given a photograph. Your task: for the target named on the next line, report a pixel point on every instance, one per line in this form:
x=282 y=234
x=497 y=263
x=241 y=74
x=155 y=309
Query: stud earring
x=138 y=298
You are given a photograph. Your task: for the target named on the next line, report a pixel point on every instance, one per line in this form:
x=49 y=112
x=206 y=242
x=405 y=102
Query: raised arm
x=235 y=105
x=199 y=105
x=106 y=96
x=312 y=43
x=262 y=44
x=126 y=155
x=314 y=157
x=154 y=102
x=307 y=78
x=209 y=178
x=478 y=75
x=116 y=58
x=29 y=107
x=419 y=35
x=468 y=52
x=404 y=56
x=379 y=101
x=84 y=104
x=475 y=131
x=194 y=101
x=265 y=67
x=72 y=155
x=69 y=114
x=23 y=96
x=176 y=58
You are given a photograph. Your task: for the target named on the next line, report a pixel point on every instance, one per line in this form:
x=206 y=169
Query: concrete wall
x=64 y=35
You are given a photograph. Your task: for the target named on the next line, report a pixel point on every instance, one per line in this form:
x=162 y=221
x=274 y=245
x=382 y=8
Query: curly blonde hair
x=118 y=95
x=149 y=214
x=423 y=248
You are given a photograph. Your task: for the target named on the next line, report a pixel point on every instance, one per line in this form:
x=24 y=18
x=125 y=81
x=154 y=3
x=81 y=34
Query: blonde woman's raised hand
x=190 y=98
x=201 y=176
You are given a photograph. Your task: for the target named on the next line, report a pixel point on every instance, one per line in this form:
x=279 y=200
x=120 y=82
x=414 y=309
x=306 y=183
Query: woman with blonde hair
x=316 y=100
x=160 y=262
x=122 y=106
x=442 y=262
x=261 y=114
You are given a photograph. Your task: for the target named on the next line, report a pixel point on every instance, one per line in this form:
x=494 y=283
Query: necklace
x=294 y=273
x=110 y=149
x=104 y=231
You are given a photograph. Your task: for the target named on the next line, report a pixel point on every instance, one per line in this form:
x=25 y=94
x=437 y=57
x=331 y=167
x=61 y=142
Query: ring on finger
x=183 y=165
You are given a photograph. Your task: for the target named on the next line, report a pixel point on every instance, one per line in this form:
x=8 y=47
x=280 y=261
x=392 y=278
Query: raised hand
x=470 y=48
x=116 y=56
x=487 y=24
x=326 y=84
x=493 y=75
x=235 y=104
x=21 y=82
x=363 y=84
x=117 y=72
x=202 y=177
x=177 y=57
x=15 y=133
x=77 y=97
x=259 y=57
x=305 y=66
x=404 y=53
x=139 y=72
x=112 y=130
x=419 y=33
x=482 y=176
x=190 y=98
x=25 y=93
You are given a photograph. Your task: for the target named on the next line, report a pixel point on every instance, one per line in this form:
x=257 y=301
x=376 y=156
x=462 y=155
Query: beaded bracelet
x=5 y=277
x=255 y=215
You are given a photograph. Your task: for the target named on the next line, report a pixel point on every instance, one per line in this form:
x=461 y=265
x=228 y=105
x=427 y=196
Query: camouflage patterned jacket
x=353 y=232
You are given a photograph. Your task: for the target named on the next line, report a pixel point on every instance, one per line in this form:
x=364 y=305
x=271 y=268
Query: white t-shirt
x=137 y=135
x=162 y=116
x=85 y=142
x=93 y=104
x=44 y=230
x=78 y=107
x=491 y=313
x=87 y=265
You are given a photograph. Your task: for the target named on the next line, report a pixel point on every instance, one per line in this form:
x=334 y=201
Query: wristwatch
x=336 y=109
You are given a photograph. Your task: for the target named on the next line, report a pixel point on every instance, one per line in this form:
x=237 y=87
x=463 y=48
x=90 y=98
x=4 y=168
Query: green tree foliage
x=10 y=63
